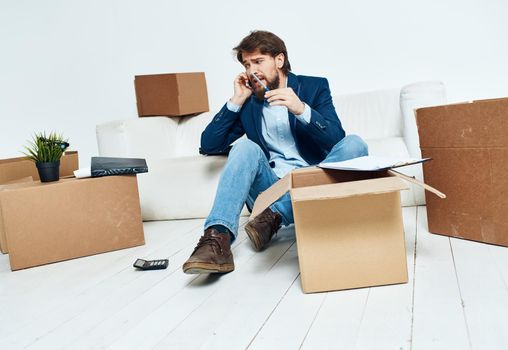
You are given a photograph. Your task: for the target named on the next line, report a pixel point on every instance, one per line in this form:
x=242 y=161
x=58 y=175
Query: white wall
x=69 y=65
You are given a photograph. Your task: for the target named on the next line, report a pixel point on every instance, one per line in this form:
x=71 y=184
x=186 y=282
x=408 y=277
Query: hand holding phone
x=242 y=89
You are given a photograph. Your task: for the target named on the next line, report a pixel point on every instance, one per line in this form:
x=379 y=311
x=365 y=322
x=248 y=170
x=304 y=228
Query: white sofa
x=181 y=183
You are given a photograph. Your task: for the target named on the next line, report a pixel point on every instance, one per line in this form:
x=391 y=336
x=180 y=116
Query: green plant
x=46 y=148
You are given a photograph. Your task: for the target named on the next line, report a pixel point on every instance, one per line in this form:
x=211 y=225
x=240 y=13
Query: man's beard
x=272 y=85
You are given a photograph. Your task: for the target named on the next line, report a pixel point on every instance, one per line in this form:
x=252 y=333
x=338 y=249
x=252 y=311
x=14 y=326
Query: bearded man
x=290 y=122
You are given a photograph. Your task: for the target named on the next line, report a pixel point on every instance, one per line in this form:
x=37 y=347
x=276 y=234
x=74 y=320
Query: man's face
x=266 y=68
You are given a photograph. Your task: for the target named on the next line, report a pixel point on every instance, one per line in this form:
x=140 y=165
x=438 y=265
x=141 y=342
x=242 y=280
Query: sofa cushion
x=370 y=115
x=180 y=188
x=188 y=134
x=412 y=96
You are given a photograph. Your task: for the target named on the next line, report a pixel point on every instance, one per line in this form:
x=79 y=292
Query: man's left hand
x=285 y=97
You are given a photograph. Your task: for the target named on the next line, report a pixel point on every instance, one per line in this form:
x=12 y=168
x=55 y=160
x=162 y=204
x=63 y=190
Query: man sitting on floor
x=290 y=122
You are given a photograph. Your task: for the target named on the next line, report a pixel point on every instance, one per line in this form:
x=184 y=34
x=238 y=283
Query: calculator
x=151 y=264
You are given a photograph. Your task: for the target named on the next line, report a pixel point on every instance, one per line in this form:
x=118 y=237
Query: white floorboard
x=241 y=302
x=438 y=317
x=392 y=304
x=456 y=298
x=91 y=284
x=484 y=294
x=338 y=322
x=357 y=315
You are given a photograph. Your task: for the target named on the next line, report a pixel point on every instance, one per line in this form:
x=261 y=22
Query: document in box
x=372 y=163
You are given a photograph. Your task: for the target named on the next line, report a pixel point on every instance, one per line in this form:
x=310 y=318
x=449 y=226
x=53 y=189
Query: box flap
x=274 y=192
x=22 y=180
x=418 y=183
x=22 y=167
x=314 y=176
x=348 y=189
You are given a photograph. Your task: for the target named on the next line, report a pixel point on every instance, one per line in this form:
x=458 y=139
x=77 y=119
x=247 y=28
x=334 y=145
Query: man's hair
x=267 y=43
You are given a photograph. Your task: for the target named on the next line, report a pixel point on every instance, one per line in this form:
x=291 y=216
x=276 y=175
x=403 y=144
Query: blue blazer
x=313 y=141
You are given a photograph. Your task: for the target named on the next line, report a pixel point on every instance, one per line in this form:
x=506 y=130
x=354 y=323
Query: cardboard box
x=70 y=218
x=16 y=168
x=22 y=169
x=469 y=146
x=171 y=95
x=349 y=228
x=22 y=183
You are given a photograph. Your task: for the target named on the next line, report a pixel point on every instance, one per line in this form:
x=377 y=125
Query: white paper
x=83 y=172
x=371 y=163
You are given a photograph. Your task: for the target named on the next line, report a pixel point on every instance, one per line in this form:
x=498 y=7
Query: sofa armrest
x=413 y=96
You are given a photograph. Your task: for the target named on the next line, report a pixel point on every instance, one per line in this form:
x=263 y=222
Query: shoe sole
x=254 y=238
x=199 y=268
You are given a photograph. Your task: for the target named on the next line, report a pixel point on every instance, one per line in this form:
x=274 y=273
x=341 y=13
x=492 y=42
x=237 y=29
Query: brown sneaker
x=211 y=255
x=262 y=228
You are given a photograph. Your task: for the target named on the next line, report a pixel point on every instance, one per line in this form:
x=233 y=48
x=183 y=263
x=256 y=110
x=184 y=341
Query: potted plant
x=46 y=151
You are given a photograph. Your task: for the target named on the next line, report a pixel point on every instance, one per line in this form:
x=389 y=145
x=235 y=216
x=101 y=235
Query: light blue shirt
x=278 y=137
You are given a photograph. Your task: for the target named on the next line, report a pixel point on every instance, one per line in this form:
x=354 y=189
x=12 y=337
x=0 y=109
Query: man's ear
x=279 y=60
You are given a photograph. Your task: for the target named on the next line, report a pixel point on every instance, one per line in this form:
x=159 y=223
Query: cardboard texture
x=174 y=94
x=16 y=168
x=50 y=222
x=22 y=183
x=348 y=224
x=22 y=169
x=469 y=146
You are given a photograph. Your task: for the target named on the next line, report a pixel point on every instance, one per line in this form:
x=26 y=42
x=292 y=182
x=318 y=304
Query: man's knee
x=355 y=146
x=246 y=148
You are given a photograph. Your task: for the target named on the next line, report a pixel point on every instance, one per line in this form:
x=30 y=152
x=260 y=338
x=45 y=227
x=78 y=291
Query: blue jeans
x=247 y=173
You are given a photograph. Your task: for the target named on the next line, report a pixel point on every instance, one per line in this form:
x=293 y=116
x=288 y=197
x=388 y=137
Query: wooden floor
x=456 y=298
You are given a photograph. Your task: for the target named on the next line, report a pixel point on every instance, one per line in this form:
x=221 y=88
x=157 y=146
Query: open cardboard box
x=469 y=146
x=13 y=169
x=70 y=218
x=349 y=228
